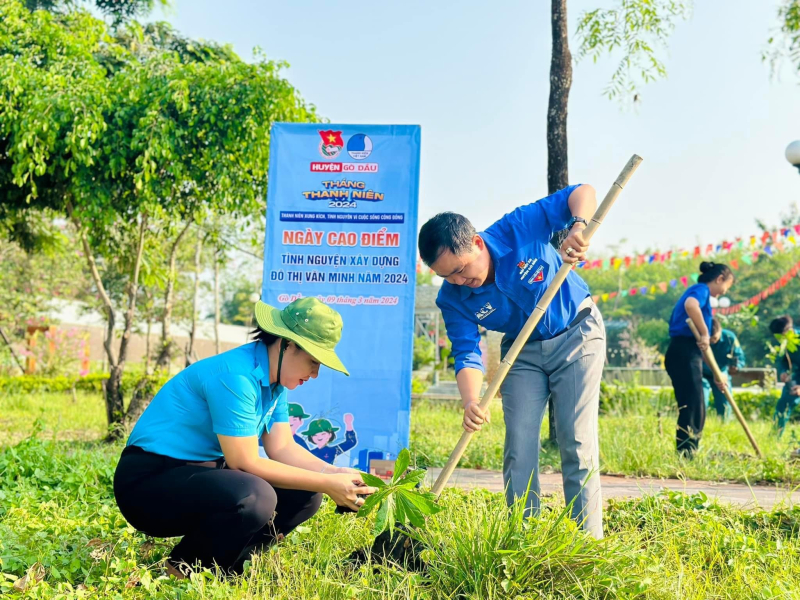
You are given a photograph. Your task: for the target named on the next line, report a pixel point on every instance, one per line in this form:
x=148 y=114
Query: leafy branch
x=399 y=502
x=638 y=28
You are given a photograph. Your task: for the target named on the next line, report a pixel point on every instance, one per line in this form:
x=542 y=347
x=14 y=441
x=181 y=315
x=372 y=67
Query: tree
x=120 y=142
x=118 y=10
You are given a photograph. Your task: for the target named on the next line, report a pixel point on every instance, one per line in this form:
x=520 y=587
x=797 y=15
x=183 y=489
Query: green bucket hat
x=310 y=324
x=295 y=410
x=319 y=426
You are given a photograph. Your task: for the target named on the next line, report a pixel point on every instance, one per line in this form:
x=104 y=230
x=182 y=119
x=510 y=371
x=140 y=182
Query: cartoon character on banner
x=297 y=417
x=321 y=433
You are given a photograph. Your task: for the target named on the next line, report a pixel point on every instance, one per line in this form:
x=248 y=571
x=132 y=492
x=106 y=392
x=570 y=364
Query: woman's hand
x=348 y=489
x=335 y=470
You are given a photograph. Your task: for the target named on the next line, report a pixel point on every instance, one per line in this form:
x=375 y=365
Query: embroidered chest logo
x=485 y=311
x=526 y=266
x=538 y=276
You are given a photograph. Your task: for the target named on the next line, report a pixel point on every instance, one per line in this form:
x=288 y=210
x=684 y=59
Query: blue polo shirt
x=226 y=394
x=677 y=322
x=524 y=265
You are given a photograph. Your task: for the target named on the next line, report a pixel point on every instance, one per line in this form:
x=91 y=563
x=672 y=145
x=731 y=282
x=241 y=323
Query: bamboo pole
x=712 y=362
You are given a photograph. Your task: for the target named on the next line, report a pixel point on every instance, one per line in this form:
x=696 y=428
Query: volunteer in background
x=730 y=358
x=684 y=358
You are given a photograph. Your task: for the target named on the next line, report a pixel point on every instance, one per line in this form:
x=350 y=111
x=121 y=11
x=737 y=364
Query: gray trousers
x=568 y=367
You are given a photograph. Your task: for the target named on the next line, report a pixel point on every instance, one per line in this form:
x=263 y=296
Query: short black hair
x=259 y=335
x=709 y=271
x=716 y=326
x=445 y=231
x=780 y=324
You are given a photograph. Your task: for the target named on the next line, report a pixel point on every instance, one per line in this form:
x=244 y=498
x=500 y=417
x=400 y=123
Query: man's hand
x=785 y=377
x=574 y=247
x=474 y=417
x=795 y=390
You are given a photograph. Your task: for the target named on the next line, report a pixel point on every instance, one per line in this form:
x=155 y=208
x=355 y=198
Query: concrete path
x=625 y=487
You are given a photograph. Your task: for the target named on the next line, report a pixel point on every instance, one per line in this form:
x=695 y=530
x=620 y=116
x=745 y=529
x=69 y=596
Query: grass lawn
x=630 y=444
x=58 y=519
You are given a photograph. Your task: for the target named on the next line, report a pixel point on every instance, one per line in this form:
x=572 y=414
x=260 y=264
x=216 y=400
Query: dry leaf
x=147 y=547
x=95 y=542
x=34 y=575
x=132 y=582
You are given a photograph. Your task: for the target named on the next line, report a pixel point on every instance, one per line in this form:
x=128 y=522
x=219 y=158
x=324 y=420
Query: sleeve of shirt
x=232 y=400
x=350 y=441
x=699 y=293
x=281 y=412
x=543 y=217
x=465 y=338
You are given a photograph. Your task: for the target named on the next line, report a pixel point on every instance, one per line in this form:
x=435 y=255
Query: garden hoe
x=401 y=548
x=712 y=362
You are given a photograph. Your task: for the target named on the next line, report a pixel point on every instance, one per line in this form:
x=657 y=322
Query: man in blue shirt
x=494 y=279
x=730 y=357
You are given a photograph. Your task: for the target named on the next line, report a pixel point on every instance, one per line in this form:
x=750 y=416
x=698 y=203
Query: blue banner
x=342 y=226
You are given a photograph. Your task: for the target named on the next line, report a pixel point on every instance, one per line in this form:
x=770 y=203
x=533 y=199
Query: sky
x=474 y=75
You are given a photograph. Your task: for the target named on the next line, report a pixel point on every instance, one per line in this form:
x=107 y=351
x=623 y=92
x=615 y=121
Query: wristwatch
x=573 y=220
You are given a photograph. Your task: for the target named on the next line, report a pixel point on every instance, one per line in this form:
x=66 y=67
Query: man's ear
x=478 y=241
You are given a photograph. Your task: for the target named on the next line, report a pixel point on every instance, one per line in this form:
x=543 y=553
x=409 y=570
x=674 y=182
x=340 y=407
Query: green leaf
x=372 y=501
x=401 y=464
x=372 y=481
x=412 y=479
x=425 y=502
x=399 y=510
x=410 y=509
x=385 y=516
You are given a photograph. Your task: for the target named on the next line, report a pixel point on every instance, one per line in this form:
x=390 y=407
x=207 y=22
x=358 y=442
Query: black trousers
x=224 y=515
x=684 y=365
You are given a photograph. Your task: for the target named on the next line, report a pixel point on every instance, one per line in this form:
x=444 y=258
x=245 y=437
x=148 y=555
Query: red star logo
x=331 y=138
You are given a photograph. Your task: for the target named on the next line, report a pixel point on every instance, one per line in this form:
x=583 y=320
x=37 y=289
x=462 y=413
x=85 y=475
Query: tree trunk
x=216 y=301
x=557 y=159
x=117 y=427
x=165 y=354
x=147 y=347
x=560 y=83
x=115 y=408
x=193 y=333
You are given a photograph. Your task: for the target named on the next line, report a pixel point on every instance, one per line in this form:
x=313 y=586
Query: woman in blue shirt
x=684 y=359
x=191 y=466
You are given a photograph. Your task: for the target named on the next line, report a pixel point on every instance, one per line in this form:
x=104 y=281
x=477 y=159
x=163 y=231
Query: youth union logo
x=359 y=146
x=331 y=144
